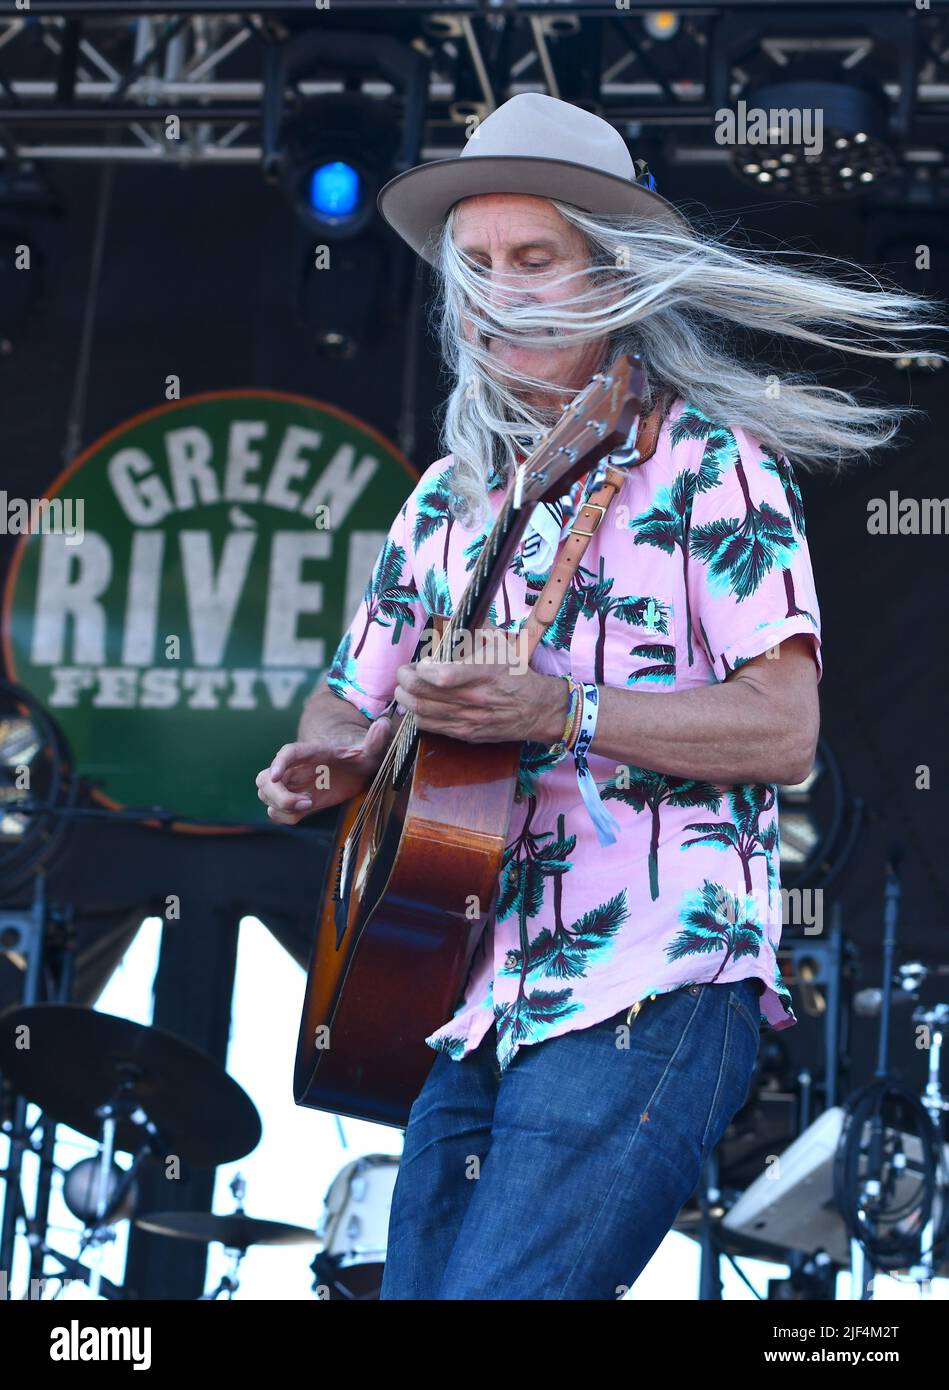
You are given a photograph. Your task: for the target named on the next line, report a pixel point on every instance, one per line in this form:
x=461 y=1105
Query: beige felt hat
x=532 y=144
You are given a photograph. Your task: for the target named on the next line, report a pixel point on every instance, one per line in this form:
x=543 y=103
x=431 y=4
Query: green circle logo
x=178 y=596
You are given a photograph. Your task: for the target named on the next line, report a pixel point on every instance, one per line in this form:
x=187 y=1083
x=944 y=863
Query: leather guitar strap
x=586 y=523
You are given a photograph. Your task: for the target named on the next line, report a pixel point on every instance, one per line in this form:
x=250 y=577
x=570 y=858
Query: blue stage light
x=335 y=189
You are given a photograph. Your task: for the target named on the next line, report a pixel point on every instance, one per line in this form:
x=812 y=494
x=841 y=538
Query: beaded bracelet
x=574 y=715
x=573 y=722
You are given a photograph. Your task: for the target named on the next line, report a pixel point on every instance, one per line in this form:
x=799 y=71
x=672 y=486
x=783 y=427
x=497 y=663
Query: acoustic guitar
x=418 y=855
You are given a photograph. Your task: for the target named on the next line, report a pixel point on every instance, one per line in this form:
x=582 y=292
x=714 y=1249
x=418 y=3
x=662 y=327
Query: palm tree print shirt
x=700 y=565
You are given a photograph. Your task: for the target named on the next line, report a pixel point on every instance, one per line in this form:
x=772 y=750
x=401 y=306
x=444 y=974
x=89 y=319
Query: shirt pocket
x=638 y=642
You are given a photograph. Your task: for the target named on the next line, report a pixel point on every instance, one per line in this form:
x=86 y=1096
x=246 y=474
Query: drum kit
x=354 y=1228
x=144 y=1092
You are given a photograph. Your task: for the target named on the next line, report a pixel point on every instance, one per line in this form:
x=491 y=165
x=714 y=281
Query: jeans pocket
x=739 y=1061
x=743 y=999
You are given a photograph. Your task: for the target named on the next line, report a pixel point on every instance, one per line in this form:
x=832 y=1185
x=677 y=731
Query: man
x=609 y=1027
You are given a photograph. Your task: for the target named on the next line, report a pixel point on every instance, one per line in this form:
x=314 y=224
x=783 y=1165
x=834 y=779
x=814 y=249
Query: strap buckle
x=596 y=506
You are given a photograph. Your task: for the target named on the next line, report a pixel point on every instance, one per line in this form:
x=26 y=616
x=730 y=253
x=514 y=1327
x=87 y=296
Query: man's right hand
x=344 y=758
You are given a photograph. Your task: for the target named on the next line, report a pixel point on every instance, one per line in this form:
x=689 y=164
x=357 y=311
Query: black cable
x=887 y=1110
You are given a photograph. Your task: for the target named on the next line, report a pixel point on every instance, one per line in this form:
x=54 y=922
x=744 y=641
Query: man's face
x=521 y=243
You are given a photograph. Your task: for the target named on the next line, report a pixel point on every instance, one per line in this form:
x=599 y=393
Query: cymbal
x=235 y=1231
x=78 y=1057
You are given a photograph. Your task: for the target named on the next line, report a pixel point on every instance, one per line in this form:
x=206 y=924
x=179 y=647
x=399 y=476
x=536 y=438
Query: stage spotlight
x=336 y=153
x=661 y=24
x=813 y=140
x=335 y=190
x=919 y=362
x=35 y=767
x=331 y=155
x=811 y=821
x=799 y=827
x=20 y=741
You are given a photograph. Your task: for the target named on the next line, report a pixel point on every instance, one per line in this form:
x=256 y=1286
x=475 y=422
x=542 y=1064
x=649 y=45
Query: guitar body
x=391 y=956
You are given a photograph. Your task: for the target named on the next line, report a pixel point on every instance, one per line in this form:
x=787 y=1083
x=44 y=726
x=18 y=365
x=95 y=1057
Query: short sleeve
x=750 y=581
x=385 y=630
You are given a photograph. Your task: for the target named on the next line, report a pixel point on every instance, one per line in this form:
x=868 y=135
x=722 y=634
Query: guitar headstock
x=595 y=423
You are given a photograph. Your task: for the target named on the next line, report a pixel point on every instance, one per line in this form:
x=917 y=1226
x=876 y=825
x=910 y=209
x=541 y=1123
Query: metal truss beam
x=93 y=75
x=588 y=9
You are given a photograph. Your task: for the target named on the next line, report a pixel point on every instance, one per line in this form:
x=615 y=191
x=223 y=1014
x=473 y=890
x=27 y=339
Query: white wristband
x=607 y=826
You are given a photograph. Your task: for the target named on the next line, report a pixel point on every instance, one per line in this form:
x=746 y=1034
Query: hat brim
x=417 y=201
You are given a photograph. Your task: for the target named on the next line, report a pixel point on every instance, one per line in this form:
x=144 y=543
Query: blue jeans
x=560 y=1178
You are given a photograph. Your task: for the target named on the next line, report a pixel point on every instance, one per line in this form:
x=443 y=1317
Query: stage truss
x=113 y=81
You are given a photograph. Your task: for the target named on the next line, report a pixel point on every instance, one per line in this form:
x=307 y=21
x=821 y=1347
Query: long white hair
x=680 y=299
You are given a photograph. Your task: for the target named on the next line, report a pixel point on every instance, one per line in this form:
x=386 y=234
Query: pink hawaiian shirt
x=700 y=566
